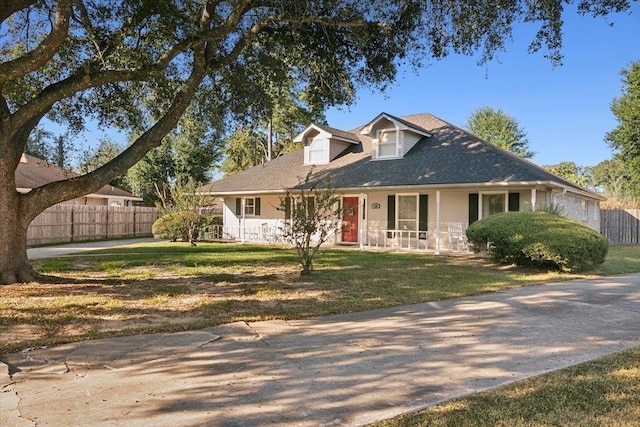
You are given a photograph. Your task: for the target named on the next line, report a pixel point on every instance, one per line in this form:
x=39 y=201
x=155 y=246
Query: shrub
x=539 y=239
x=174 y=226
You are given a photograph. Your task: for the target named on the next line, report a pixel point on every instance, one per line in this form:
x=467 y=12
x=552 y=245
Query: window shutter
x=473 y=208
x=238 y=206
x=391 y=213
x=514 y=202
x=423 y=219
x=256 y=206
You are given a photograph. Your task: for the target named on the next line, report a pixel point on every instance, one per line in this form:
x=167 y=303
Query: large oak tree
x=138 y=65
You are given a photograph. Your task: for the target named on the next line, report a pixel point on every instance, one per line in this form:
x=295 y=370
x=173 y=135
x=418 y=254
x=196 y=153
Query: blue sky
x=564 y=110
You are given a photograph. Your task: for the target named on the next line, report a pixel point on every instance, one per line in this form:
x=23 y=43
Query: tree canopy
x=574 y=173
x=139 y=64
x=626 y=136
x=498 y=128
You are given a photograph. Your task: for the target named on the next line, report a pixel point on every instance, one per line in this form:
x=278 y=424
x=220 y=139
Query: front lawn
x=603 y=392
x=170 y=286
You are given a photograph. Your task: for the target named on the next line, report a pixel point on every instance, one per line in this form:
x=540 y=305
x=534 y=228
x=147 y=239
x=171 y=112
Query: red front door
x=350 y=219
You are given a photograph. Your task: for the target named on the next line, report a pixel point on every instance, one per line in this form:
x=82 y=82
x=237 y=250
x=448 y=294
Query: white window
x=407 y=212
x=317 y=152
x=249 y=206
x=493 y=203
x=387 y=143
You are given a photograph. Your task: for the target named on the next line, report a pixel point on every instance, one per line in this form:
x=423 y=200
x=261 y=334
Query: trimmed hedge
x=540 y=239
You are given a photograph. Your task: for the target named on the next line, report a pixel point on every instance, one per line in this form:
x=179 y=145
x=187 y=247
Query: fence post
x=73 y=209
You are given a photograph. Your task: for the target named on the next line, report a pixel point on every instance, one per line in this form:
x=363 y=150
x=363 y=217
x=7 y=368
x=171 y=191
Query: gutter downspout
x=555 y=196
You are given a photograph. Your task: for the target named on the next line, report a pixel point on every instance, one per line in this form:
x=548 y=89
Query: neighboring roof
x=33 y=172
x=451 y=156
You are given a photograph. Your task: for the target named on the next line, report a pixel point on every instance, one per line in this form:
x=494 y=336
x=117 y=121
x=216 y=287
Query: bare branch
x=39 y=56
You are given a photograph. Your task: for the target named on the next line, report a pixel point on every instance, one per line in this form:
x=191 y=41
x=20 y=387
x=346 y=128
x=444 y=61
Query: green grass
x=603 y=392
x=171 y=286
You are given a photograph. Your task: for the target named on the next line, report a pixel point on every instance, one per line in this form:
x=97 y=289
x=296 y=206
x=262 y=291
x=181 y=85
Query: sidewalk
x=74 y=248
x=346 y=370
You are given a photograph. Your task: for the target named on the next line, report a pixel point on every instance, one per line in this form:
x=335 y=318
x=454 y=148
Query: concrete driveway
x=345 y=370
x=74 y=248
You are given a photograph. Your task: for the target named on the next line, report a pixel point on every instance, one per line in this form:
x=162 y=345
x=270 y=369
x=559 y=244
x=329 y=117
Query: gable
x=392 y=137
x=322 y=144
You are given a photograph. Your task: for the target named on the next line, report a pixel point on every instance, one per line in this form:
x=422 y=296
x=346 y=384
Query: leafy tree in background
x=271 y=133
x=45 y=145
x=626 y=136
x=574 y=173
x=187 y=153
x=138 y=66
x=106 y=151
x=619 y=178
x=497 y=127
x=619 y=181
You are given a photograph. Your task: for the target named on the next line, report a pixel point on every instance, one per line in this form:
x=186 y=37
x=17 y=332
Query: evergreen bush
x=541 y=239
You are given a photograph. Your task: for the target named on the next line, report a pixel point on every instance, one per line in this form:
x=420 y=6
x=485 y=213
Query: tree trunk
x=14 y=264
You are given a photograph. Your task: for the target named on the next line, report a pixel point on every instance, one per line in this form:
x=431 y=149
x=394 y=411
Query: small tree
x=182 y=199
x=314 y=216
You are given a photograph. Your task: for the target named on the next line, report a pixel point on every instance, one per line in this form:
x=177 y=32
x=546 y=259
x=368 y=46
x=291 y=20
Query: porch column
x=242 y=223
x=438 y=222
x=363 y=220
x=533 y=199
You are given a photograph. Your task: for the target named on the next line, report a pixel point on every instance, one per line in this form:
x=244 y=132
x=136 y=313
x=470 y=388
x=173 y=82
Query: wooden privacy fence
x=68 y=223
x=621 y=226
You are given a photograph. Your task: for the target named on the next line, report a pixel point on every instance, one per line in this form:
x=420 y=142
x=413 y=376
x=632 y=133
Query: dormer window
x=317 y=152
x=322 y=144
x=392 y=137
x=387 y=143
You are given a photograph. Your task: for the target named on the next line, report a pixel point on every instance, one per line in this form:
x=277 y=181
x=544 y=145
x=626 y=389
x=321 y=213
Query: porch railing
x=377 y=239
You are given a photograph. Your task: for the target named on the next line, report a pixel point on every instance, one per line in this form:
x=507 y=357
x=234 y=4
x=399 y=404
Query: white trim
x=417 y=220
x=366 y=130
x=379 y=134
x=480 y=201
x=534 y=197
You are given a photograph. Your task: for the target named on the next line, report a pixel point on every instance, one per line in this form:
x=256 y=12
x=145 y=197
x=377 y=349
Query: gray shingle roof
x=339 y=133
x=450 y=156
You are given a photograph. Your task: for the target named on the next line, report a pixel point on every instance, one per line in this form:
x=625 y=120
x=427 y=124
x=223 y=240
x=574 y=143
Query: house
x=33 y=172
x=408 y=182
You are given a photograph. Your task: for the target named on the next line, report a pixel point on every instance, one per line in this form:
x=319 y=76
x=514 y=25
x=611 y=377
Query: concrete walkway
x=74 y=248
x=345 y=370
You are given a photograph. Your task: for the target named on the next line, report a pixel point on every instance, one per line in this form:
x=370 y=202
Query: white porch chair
x=457 y=237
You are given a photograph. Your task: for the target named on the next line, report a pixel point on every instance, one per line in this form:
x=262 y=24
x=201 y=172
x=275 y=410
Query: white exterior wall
x=336 y=147
x=407 y=141
x=454 y=207
x=585 y=211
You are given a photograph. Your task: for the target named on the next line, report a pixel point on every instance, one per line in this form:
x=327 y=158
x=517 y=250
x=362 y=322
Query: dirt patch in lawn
x=92 y=304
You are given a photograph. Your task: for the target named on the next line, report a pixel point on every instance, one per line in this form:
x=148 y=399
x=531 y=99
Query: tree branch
x=39 y=56
x=38 y=199
x=8 y=8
